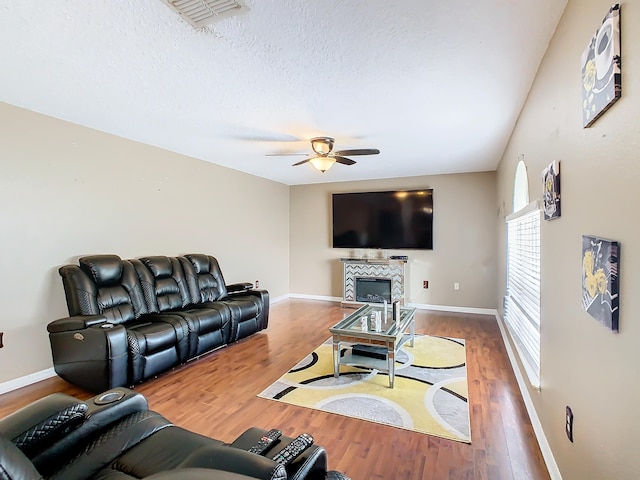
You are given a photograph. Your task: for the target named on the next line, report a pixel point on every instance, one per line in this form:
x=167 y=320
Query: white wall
x=463 y=245
x=68 y=191
x=584 y=365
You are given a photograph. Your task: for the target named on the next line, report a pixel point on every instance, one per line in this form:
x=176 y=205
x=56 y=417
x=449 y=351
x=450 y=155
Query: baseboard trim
x=545 y=448
x=315 y=297
x=446 y=308
x=279 y=299
x=26 y=380
x=419 y=306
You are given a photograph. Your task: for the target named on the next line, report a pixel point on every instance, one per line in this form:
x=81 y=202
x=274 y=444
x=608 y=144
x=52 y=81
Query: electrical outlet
x=456 y=286
x=257 y=283
x=425 y=284
x=569 y=423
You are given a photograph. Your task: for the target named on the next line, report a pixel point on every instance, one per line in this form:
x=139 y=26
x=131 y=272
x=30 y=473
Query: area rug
x=429 y=396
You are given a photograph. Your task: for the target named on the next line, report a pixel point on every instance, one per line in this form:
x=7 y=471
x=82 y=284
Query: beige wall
x=464 y=240
x=583 y=364
x=68 y=191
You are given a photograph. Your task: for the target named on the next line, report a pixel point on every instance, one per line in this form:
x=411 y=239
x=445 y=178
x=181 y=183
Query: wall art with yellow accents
x=601 y=72
x=551 y=191
x=600 y=296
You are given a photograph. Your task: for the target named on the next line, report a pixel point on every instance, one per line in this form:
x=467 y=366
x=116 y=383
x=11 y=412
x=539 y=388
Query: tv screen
x=393 y=220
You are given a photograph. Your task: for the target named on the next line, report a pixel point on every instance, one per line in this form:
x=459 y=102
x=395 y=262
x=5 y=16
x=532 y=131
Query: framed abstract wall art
x=600 y=296
x=601 y=69
x=551 y=191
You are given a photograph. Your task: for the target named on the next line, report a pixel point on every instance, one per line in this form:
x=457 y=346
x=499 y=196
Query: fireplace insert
x=373 y=290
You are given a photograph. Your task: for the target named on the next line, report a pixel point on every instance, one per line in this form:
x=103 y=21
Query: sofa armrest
x=94 y=358
x=312 y=463
x=263 y=296
x=235 y=460
x=239 y=287
x=103 y=411
x=77 y=322
x=57 y=422
x=44 y=422
x=111 y=406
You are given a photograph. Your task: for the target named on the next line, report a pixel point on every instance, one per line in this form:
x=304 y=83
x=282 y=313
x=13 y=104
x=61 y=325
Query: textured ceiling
x=436 y=86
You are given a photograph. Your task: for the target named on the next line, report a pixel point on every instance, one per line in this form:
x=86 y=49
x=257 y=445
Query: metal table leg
x=391 y=359
x=336 y=357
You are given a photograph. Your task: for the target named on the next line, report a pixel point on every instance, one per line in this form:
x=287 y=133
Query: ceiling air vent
x=204 y=12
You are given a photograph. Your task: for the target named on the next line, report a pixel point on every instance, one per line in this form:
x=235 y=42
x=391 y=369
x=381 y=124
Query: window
x=520 y=187
x=522 y=299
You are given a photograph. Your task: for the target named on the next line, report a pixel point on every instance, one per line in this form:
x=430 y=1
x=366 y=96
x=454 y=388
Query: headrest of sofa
x=104 y=269
x=44 y=422
x=160 y=266
x=205 y=279
x=200 y=262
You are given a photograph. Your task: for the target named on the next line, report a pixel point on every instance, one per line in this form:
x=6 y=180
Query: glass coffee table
x=374 y=345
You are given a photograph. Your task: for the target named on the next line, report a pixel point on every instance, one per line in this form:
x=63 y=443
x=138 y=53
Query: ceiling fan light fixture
x=322 y=145
x=322 y=163
x=323 y=156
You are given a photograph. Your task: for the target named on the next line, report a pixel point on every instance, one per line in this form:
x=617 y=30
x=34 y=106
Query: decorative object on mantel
x=601 y=69
x=551 y=191
x=370 y=254
x=600 y=287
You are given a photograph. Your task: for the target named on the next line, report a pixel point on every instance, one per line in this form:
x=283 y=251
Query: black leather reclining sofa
x=114 y=436
x=133 y=319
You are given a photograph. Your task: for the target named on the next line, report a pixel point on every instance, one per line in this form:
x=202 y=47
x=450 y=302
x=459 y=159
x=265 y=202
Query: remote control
x=289 y=453
x=266 y=441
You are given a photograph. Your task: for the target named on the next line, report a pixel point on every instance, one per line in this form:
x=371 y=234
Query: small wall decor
x=601 y=73
x=551 y=191
x=600 y=280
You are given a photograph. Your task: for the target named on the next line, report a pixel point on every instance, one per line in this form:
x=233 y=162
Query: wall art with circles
x=601 y=69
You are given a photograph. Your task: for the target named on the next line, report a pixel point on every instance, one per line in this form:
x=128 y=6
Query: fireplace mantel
x=381 y=268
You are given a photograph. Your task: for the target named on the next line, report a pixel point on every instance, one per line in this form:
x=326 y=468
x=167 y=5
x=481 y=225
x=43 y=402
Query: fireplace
x=373 y=290
x=368 y=280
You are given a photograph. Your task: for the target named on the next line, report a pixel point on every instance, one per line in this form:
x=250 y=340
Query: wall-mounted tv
x=400 y=219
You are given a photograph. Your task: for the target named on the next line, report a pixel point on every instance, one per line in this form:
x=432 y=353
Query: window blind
x=522 y=299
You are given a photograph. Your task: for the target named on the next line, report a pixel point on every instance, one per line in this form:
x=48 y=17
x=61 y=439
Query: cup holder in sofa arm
x=109 y=397
x=115 y=403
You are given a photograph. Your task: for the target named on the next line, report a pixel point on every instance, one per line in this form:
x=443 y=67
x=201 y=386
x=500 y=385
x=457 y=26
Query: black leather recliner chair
x=131 y=320
x=114 y=436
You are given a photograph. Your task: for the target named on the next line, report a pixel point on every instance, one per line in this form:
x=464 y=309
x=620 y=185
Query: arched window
x=520 y=187
x=522 y=298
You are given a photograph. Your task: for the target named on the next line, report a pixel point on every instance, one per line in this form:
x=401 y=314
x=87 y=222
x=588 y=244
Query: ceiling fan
x=323 y=156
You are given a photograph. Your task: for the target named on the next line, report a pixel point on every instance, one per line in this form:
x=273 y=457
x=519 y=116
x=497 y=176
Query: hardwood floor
x=216 y=396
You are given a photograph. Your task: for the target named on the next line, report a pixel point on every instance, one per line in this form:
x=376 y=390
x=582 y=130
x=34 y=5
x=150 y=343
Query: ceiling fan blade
x=300 y=163
x=255 y=134
x=343 y=160
x=282 y=154
x=359 y=151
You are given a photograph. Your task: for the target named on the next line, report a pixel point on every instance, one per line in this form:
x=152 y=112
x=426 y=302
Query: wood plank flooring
x=216 y=396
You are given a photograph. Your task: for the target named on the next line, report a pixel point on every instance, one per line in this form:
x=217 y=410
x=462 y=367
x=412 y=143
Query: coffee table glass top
x=388 y=328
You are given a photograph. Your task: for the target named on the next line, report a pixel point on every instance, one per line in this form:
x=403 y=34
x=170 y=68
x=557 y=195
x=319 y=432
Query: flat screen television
x=391 y=220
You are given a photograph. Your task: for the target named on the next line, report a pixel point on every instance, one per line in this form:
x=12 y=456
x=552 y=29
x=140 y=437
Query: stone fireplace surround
x=380 y=268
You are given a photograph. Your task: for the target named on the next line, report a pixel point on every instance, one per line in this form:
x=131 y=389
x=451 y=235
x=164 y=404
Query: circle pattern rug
x=429 y=396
